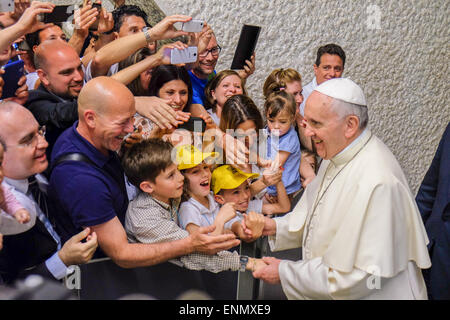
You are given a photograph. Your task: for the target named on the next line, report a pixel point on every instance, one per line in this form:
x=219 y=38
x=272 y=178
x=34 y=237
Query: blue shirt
x=288 y=142
x=83 y=194
x=198 y=87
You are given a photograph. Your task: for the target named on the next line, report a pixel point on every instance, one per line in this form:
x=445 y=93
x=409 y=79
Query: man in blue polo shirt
x=203 y=70
x=93 y=193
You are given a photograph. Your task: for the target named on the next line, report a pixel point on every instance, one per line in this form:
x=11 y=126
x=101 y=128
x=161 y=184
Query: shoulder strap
x=71 y=157
x=75 y=156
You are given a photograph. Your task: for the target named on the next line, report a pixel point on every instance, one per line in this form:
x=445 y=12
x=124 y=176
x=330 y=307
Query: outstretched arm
x=121 y=48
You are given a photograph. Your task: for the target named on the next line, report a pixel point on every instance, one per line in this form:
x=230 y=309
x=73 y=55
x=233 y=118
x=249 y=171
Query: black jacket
x=52 y=111
x=26 y=253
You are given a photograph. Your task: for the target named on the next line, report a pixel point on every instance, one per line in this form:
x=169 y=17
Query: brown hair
x=135 y=86
x=210 y=102
x=278 y=79
x=278 y=101
x=145 y=160
x=238 y=109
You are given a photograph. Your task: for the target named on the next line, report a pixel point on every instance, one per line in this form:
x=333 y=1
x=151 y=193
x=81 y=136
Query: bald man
x=54 y=102
x=91 y=192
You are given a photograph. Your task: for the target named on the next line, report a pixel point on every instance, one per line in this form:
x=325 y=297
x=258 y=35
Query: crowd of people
x=109 y=150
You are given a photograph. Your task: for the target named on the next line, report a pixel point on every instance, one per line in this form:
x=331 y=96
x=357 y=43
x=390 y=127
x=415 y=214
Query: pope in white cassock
x=357 y=222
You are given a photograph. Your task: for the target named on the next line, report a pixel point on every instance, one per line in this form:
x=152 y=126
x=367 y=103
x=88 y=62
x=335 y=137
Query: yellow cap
x=228 y=177
x=189 y=156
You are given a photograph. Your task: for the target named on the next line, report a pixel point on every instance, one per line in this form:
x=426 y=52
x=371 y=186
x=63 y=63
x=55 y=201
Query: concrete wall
x=398 y=51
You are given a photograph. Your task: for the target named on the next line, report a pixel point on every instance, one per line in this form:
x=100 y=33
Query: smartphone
x=13 y=72
x=58 y=15
x=23 y=46
x=177 y=56
x=246 y=46
x=193 y=26
x=94 y=26
x=6 y=5
x=194 y=124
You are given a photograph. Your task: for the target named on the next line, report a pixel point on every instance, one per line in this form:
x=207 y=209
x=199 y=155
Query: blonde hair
x=278 y=79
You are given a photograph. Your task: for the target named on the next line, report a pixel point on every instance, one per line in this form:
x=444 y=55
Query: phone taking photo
x=13 y=72
x=58 y=15
x=194 y=25
x=94 y=26
x=7 y=6
x=177 y=56
x=246 y=46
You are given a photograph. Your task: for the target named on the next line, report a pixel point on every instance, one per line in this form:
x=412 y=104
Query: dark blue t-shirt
x=198 y=87
x=82 y=194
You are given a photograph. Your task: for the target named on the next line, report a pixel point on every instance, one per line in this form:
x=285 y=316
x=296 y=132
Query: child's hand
x=133 y=138
x=263 y=163
x=271 y=178
x=227 y=212
x=255 y=223
x=22 y=216
x=271 y=199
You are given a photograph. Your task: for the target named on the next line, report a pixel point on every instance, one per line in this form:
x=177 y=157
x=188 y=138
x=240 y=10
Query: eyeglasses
x=32 y=142
x=214 y=52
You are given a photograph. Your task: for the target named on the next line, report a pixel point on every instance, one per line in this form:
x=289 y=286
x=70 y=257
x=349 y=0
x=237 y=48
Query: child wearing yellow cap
x=231 y=185
x=198 y=208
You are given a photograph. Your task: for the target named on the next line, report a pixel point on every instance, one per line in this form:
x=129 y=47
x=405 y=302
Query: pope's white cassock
x=360 y=230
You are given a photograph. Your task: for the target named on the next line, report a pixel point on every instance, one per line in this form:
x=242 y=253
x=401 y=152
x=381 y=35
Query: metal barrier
x=103 y=279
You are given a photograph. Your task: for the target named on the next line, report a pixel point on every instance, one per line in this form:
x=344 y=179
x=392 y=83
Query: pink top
x=11 y=204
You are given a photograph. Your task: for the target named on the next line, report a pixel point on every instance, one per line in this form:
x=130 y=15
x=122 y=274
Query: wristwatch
x=146 y=31
x=243 y=260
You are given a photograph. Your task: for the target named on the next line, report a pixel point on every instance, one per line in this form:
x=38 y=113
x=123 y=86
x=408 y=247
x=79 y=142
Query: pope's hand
x=268 y=273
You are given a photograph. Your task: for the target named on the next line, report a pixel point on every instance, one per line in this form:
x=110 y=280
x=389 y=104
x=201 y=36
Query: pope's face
x=324 y=126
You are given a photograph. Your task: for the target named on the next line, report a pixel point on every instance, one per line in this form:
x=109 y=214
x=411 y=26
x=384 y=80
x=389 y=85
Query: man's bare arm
x=113 y=241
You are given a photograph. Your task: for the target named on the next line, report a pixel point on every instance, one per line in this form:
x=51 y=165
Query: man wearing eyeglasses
x=204 y=70
x=37 y=250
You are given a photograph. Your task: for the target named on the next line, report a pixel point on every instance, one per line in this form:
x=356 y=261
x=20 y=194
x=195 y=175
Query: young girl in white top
x=198 y=207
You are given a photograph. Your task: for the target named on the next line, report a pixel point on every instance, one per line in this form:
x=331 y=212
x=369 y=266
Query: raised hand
x=203 y=242
x=254 y=225
x=226 y=212
x=160 y=112
x=249 y=69
x=165 y=29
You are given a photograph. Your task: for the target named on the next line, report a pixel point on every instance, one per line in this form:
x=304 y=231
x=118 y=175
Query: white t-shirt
x=88 y=74
x=307 y=90
x=192 y=211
